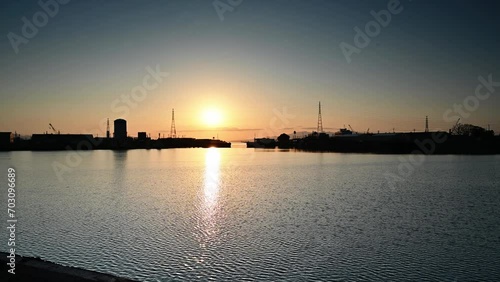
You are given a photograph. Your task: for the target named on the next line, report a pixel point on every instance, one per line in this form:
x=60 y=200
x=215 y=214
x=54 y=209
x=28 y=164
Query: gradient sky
x=265 y=56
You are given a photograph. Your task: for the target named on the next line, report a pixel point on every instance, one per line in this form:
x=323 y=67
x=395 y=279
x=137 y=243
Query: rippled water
x=250 y=214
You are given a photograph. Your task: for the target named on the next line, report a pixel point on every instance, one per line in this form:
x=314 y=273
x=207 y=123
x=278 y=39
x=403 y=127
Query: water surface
x=262 y=215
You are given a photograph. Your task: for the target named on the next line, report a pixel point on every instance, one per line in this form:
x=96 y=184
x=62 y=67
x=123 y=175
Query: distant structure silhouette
x=53 y=129
x=320 y=121
x=173 y=132
x=107 y=129
x=120 y=129
x=141 y=136
x=5 y=140
x=426 y=124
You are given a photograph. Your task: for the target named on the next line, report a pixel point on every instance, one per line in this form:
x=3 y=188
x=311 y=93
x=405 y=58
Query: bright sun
x=212 y=117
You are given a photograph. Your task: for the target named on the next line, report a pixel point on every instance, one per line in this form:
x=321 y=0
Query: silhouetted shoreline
x=61 y=142
x=387 y=143
x=36 y=269
x=429 y=143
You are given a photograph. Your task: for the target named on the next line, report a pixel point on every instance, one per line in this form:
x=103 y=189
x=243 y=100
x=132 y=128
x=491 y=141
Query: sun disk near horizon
x=212 y=117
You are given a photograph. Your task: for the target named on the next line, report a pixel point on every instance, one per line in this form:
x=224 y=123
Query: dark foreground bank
x=35 y=269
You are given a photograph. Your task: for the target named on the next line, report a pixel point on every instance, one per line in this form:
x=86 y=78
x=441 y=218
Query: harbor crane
x=53 y=129
x=454 y=129
x=351 y=128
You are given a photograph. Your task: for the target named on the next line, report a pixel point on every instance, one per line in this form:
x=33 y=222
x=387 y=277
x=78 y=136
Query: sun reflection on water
x=207 y=228
x=212 y=165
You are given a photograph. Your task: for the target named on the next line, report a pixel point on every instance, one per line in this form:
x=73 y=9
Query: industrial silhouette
x=461 y=139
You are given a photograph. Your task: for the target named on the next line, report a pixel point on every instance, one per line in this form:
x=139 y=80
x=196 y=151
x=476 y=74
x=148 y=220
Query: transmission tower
x=173 y=133
x=320 y=121
x=426 y=124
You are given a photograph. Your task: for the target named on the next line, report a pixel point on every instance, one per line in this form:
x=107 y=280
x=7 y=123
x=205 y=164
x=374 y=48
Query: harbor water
x=259 y=215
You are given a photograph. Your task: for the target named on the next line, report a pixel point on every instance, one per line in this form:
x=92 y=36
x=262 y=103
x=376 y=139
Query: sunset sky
x=235 y=77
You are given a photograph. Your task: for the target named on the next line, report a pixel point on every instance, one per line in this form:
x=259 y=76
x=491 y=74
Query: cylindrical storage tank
x=120 y=129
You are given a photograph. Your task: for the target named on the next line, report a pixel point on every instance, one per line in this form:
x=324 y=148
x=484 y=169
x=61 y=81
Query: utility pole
x=107 y=130
x=426 y=124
